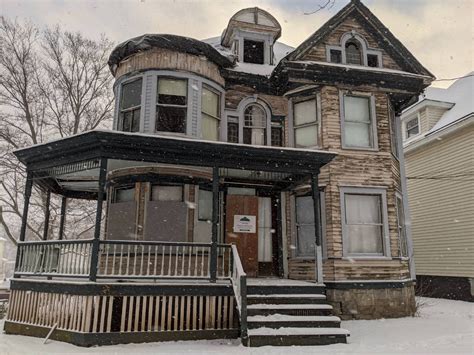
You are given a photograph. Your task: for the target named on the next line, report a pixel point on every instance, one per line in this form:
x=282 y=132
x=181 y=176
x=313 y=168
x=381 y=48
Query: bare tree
x=53 y=84
x=324 y=4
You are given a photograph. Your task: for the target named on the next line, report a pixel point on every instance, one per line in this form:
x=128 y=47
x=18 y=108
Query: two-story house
x=438 y=141
x=250 y=189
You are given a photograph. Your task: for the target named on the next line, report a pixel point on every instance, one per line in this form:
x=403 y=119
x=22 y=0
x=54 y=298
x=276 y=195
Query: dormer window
x=130 y=106
x=254 y=51
x=353 y=53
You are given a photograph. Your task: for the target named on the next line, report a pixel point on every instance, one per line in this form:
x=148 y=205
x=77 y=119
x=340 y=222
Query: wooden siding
x=334 y=39
x=442 y=210
x=159 y=58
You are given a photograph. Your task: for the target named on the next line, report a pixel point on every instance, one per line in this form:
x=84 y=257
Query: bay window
x=364 y=222
x=255 y=125
x=358 y=122
x=305 y=123
x=171 y=108
x=130 y=106
x=210 y=114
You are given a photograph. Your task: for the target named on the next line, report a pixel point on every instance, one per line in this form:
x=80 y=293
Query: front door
x=241 y=229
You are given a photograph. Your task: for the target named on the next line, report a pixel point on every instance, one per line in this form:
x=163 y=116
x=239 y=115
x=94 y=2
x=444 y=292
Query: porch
x=174 y=290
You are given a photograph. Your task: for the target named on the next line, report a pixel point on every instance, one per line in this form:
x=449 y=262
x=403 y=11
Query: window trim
x=297 y=100
x=157 y=79
x=205 y=86
x=382 y=192
x=373 y=118
x=119 y=123
x=405 y=124
x=399 y=197
x=113 y=199
x=294 y=230
x=243 y=104
x=393 y=125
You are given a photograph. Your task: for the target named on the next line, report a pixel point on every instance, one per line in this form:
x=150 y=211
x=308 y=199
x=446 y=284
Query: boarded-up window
x=121 y=214
x=171 y=109
x=210 y=114
x=305 y=122
x=130 y=104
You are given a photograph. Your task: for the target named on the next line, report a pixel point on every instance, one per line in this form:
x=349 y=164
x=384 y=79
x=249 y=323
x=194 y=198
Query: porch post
x=279 y=235
x=46 y=215
x=215 y=222
x=28 y=188
x=98 y=220
x=317 y=227
x=63 y=217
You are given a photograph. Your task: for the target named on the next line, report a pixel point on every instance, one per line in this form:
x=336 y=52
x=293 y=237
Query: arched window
x=255 y=125
x=353 y=52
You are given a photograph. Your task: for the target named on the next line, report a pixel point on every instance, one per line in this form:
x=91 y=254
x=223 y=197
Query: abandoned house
x=246 y=189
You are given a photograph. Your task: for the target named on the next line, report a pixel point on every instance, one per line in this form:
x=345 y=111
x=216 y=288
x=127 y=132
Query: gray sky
x=440 y=33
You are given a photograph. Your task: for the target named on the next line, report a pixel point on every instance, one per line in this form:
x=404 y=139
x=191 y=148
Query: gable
x=355 y=16
x=319 y=51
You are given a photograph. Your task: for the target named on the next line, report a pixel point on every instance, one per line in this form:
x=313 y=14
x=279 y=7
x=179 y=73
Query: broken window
x=171 y=108
x=130 y=105
x=255 y=125
x=253 y=52
x=210 y=114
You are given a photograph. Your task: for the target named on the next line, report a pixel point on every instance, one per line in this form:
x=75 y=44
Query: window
x=305 y=122
x=171 y=108
x=402 y=227
x=335 y=56
x=363 y=222
x=255 y=125
x=124 y=194
x=393 y=132
x=232 y=132
x=359 y=128
x=205 y=205
x=412 y=128
x=210 y=114
x=353 y=53
x=130 y=103
x=253 y=52
x=166 y=193
x=305 y=232
x=277 y=134
x=373 y=60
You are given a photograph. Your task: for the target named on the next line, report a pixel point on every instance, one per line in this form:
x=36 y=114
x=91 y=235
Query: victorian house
x=249 y=190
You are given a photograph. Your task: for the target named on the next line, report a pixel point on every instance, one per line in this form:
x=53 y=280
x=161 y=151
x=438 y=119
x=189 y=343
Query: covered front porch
x=154 y=282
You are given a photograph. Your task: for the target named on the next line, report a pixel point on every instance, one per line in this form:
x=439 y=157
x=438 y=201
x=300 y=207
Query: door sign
x=245 y=224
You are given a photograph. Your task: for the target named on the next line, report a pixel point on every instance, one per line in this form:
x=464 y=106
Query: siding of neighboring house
x=442 y=211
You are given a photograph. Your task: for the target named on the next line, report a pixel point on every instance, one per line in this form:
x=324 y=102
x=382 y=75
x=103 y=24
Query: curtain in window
x=364 y=224
x=305 y=123
x=255 y=123
x=210 y=114
x=357 y=122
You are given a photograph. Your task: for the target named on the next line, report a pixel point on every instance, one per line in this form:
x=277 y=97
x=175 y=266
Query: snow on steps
x=286 y=298
x=296 y=336
x=282 y=320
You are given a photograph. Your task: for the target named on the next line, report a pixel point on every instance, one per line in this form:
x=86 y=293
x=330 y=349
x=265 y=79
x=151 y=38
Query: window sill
x=364 y=149
x=367 y=257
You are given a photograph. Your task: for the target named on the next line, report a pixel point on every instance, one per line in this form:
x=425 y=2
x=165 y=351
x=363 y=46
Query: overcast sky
x=438 y=32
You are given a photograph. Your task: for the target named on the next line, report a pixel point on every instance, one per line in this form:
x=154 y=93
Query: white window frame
x=120 y=85
x=241 y=112
x=405 y=124
x=219 y=110
x=294 y=239
x=373 y=120
x=385 y=230
x=296 y=100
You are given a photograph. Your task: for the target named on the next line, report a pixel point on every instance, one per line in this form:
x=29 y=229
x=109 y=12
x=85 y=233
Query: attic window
x=373 y=60
x=353 y=53
x=336 y=56
x=253 y=52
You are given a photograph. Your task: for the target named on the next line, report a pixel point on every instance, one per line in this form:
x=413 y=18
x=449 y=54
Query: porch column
x=215 y=222
x=279 y=235
x=98 y=220
x=24 y=220
x=63 y=217
x=46 y=215
x=317 y=227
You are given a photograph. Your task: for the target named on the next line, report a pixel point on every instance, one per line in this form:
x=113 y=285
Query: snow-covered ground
x=443 y=327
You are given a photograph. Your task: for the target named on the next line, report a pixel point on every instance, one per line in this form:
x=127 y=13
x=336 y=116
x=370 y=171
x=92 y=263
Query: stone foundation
x=372 y=301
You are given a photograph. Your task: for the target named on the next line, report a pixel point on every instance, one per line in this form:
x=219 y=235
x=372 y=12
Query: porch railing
x=239 y=284
x=122 y=259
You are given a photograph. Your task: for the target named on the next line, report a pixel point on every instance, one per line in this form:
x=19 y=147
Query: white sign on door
x=245 y=224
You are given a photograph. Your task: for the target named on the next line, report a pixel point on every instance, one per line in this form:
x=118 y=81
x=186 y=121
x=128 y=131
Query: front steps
x=282 y=314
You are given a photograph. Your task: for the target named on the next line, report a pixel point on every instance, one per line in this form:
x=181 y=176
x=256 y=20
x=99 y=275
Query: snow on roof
x=280 y=50
x=460 y=93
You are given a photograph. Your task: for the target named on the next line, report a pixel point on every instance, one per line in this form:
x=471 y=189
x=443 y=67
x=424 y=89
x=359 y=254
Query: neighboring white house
x=438 y=136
